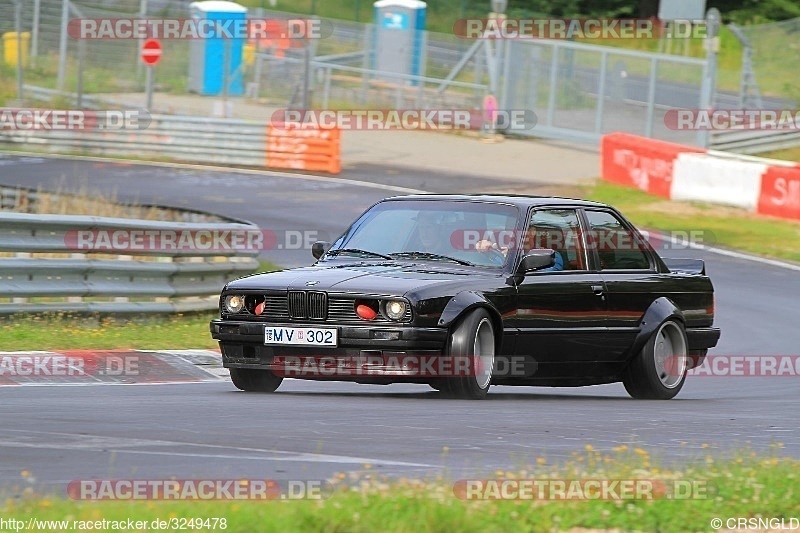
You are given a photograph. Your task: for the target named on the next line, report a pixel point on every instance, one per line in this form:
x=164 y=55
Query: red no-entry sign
x=151 y=52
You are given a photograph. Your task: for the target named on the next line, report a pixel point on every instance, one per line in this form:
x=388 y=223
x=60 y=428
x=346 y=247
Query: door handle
x=599 y=290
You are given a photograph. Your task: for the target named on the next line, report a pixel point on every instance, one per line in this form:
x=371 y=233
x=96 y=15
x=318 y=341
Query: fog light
x=395 y=309
x=366 y=312
x=234 y=303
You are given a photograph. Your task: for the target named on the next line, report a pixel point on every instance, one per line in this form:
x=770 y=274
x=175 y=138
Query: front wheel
x=472 y=340
x=658 y=371
x=254 y=380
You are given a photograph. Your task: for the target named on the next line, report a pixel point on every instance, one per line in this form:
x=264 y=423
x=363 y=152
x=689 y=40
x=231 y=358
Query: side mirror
x=536 y=260
x=319 y=248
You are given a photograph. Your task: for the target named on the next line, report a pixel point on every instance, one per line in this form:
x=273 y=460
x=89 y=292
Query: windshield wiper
x=428 y=255
x=338 y=251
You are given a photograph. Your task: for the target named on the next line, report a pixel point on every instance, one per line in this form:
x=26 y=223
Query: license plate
x=293 y=336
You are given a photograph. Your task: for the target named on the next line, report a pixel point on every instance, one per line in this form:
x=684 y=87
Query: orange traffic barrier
x=304 y=148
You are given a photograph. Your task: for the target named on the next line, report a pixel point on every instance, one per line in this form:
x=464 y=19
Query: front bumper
x=242 y=343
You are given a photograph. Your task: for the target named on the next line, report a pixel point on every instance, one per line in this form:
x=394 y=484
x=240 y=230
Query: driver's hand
x=487 y=246
x=484 y=246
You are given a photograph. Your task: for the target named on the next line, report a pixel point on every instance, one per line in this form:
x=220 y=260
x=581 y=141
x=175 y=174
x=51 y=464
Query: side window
x=616 y=246
x=559 y=230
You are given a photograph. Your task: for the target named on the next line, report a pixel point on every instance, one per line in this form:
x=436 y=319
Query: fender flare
x=660 y=310
x=464 y=302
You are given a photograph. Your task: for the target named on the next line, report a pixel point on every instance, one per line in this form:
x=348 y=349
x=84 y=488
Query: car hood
x=377 y=278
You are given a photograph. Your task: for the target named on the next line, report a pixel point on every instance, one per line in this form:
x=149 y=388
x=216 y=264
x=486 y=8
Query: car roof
x=514 y=199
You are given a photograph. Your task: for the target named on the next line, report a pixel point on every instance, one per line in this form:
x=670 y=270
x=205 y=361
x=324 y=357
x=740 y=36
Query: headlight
x=395 y=309
x=234 y=303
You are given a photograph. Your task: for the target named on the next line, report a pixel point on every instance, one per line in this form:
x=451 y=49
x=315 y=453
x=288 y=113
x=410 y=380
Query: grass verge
x=62 y=331
x=720 y=226
x=71 y=332
x=740 y=485
x=788 y=154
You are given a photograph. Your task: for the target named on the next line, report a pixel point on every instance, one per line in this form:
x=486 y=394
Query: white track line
x=123 y=445
x=728 y=253
x=296 y=457
x=217 y=168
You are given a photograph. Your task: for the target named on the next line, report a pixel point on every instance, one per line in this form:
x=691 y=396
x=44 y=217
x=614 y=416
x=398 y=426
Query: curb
x=110 y=367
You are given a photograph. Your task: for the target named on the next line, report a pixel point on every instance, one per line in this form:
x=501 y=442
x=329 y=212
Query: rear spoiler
x=687 y=266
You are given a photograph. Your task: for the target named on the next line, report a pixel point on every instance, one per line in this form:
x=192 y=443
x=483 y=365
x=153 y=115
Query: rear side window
x=616 y=246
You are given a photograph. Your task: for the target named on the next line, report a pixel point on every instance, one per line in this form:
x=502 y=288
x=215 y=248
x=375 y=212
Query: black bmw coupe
x=461 y=292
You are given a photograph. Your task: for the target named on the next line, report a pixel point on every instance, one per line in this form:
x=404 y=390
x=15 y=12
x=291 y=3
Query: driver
x=430 y=230
x=537 y=236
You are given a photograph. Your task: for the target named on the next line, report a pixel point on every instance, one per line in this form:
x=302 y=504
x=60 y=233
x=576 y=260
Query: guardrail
x=73 y=278
x=754 y=141
x=84 y=101
x=195 y=140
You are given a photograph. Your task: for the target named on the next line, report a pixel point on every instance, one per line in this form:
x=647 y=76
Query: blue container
x=209 y=57
x=398 y=36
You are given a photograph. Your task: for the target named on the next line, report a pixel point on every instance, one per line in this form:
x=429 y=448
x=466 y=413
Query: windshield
x=448 y=231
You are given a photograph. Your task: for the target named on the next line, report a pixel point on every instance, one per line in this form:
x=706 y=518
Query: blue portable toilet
x=398 y=36
x=209 y=57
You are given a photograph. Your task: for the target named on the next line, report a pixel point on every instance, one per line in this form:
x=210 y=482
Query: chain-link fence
x=105 y=65
x=578 y=91
x=584 y=91
x=775 y=61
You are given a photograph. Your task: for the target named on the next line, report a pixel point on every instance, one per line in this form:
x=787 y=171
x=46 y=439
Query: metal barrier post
x=62 y=45
x=18 y=29
x=651 y=98
x=601 y=93
x=713 y=21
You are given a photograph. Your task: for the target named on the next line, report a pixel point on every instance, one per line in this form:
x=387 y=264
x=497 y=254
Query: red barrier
x=640 y=162
x=780 y=192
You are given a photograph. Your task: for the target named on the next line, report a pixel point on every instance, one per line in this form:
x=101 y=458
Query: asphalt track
x=310 y=430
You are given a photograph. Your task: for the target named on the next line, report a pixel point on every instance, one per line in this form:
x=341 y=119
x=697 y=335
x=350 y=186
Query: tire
x=436 y=385
x=658 y=371
x=473 y=337
x=252 y=380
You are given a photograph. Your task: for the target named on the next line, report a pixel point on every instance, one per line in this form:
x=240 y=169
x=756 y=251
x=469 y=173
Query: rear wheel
x=253 y=380
x=658 y=371
x=472 y=339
